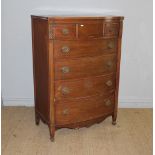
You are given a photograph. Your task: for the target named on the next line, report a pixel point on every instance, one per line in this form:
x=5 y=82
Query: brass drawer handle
x=65 y=31
x=65 y=112
x=107 y=102
x=111 y=45
x=65 y=69
x=109 y=83
x=111 y=30
x=65 y=49
x=109 y=64
x=65 y=90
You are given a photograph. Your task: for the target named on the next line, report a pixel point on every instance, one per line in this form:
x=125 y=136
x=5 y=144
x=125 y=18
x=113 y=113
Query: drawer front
x=111 y=29
x=85 y=67
x=73 y=49
x=84 y=87
x=64 y=31
x=91 y=30
x=78 y=110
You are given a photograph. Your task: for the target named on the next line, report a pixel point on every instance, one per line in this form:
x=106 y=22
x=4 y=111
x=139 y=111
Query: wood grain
x=84 y=87
x=58 y=31
x=51 y=88
x=85 y=67
x=84 y=48
x=41 y=68
x=111 y=29
x=78 y=19
x=79 y=110
x=118 y=71
x=91 y=30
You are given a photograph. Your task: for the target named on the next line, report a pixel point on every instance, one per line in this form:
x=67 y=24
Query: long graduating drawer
x=84 y=87
x=85 y=67
x=78 y=110
x=73 y=49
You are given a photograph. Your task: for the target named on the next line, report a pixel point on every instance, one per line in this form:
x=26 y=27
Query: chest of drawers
x=76 y=65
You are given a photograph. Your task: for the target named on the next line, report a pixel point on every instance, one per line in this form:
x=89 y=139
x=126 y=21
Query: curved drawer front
x=73 y=49
x=78 y=110
x=84 y=87
x=85 y=67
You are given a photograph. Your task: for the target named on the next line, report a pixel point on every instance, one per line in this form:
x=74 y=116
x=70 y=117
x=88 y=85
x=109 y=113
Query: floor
x=131 y=136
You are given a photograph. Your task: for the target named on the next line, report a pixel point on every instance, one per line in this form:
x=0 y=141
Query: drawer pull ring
x=65 y=49
x=107 y=102
x=111 y=45
x=65 y=31
x=65 y=69
x=109 y=64
x=65 y=91
x=109 y=83
x=66 y=112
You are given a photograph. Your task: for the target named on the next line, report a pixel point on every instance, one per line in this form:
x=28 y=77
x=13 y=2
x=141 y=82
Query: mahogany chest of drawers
x=76 y=65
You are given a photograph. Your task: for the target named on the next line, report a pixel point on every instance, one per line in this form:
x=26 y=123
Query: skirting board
x=123 y=103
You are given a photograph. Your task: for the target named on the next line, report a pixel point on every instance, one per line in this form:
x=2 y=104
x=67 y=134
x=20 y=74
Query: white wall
x=136 y=66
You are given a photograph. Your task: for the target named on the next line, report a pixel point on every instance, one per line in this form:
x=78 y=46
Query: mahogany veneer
x=76 y=65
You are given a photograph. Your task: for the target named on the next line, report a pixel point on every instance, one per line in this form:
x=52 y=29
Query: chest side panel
x=41 y=67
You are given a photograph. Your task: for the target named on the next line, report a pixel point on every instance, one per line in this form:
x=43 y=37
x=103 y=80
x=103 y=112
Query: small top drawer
x=90 y=30
x=63 y=31
x=111 y=29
